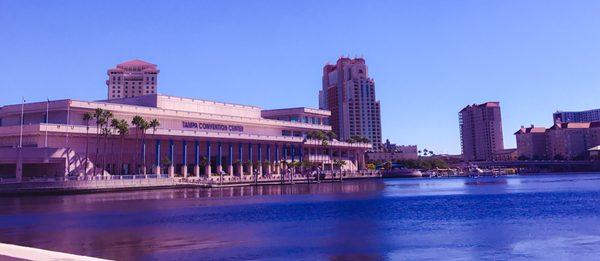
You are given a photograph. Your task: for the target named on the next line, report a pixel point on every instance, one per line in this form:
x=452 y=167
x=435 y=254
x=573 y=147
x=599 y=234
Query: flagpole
x=22 y=122
x=47 y=111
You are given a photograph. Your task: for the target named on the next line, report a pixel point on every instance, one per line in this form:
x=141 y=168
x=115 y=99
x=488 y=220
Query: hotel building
x=570 y=141
x=531 y=142
x=349 y=94
x=480 y=131
x=132 y=78
x=195 y=137
x=576 y=116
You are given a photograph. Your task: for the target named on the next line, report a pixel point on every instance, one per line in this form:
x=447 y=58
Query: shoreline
x=104 y=186
x=46 y=191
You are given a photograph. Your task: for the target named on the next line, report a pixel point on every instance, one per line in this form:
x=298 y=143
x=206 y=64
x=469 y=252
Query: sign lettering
x=212 y=126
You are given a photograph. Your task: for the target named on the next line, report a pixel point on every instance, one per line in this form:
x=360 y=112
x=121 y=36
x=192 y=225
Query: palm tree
x=324 y=144
x=340 y=164
x=144 y=126
x=123 y=129
x=99 y=116
x=307 y=167
x=87 y=117
x=331 y=135
x=106 y=131
x=137 y=122
x=204 y=161
x=154 y=123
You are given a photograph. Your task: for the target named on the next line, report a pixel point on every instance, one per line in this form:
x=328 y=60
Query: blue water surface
x=550 y=217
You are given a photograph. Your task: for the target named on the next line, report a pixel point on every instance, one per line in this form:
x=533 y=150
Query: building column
x=285 y=155
x=355 y=161
x=340 y=152
x=293 y=152
x=260 y=163
x=300 y=158
x=331 y=159
x=157 y=162
x=276 y=162
x=362 y=161
x=230 y=160
x=197 y=159
x=322 y=156
x=171 y=159
x=219 y=158
x=241 y=160
x=269 y=159
x=184 y=170
x=143 y=158
x=251 y=165
x=207 y=168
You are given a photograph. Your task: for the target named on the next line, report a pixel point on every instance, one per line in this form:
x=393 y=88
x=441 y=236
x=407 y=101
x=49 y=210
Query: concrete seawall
x=140 y=182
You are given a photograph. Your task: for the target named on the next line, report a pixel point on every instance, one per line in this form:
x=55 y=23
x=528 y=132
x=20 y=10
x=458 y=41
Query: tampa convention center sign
x=212 y=126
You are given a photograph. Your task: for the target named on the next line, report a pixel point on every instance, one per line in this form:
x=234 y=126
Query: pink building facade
x=531 y=142
x=131 y=79
x=481 y=131
x=569 y=141
x=195 y=138
x=349 y=93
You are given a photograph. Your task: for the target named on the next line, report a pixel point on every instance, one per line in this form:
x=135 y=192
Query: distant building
x=349 y=94
x=480 y=131
x=298 y=114
x=506 y=155
x=572 y=140
x=393 y=152
x=569 y=141
x=131 y=79
x=308 y=116
x=576 y=116
x=531 y=142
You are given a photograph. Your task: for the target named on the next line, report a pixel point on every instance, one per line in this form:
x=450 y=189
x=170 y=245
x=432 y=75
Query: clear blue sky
x=428 y=58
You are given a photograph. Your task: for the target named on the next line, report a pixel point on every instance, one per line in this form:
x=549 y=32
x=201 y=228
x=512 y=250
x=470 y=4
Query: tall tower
x=349 y=94
x=132 y=78
x=480 y=131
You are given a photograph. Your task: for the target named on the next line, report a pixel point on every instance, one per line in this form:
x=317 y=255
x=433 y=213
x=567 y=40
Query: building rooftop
x=294 y=110
x=134 y=63
x=531 y=129
x=486 y=104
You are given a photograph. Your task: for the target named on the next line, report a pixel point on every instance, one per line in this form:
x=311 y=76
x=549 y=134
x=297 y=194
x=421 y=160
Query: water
x=542 y=217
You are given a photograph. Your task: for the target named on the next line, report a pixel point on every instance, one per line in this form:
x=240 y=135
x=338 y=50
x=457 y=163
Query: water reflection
x=500 y=218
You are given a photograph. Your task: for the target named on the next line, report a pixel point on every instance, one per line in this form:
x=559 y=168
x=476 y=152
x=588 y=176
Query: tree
x=137 y=122
x=154 y=123
x=339 y=164
x=106 y=132
x=144 y=126
x=331 y=135
x=100 y=121
x=87 y=117
x=123 y=129
x=387 y=165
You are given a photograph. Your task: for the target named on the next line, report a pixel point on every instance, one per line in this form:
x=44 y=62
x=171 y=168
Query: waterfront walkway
x=30 y=253
x=133 y=182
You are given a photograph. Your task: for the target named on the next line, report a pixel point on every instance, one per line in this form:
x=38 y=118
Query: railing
x=115 y=181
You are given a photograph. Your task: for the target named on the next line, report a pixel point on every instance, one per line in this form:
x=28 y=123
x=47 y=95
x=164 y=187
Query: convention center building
x=189 y=138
